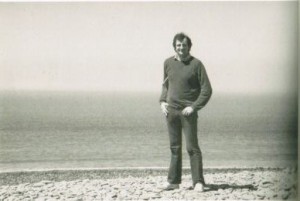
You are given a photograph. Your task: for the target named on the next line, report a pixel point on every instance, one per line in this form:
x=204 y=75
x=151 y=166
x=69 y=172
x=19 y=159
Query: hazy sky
x=245 y=46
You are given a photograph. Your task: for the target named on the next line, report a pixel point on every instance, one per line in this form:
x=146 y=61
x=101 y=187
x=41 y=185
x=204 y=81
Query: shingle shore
x=225 y=184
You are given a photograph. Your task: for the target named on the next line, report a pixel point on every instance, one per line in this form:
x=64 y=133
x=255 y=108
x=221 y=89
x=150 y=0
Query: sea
x=72 y=130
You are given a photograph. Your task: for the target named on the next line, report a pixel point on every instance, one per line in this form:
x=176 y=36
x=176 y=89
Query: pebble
x=243 y=185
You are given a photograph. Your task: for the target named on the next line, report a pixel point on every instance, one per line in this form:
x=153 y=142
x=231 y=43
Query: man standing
x=186 y=89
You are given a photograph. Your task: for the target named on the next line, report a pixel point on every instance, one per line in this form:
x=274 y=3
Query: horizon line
x=215 y=92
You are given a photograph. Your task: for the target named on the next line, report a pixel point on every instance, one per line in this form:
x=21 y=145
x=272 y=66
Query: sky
x=246 y=47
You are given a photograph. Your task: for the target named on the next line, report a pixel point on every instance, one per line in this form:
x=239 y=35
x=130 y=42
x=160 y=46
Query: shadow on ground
x=215 y=187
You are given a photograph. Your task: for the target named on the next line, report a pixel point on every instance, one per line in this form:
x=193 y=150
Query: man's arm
x=206 y=90
x=163 y=96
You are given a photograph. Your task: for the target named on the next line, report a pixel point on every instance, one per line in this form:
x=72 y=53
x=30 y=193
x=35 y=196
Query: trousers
x=177 y=123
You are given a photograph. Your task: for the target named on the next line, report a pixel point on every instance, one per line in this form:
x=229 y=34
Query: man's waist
x=179 y=105
x=176 y=107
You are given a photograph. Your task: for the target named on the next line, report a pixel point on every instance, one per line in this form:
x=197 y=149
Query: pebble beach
x=79 y=185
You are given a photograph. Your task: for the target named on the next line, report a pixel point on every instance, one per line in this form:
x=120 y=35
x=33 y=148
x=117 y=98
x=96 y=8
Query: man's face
x=182 y=48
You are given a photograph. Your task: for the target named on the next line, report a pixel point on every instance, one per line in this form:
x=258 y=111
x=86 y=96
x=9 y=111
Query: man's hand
x=187 y=111
x=163 y=106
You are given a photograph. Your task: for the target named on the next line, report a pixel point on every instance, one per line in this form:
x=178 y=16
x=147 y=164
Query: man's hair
x=181 y=36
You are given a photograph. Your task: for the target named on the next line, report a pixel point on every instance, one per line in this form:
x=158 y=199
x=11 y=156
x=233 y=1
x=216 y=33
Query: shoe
x=199 y=187
x=171 y=187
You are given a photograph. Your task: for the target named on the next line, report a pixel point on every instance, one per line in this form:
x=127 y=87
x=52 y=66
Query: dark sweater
x=185 y=84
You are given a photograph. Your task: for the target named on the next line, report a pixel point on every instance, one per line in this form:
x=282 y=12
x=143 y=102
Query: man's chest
x=182 y=73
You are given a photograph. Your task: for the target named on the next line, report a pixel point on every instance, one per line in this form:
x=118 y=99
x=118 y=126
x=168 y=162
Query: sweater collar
x=183 y=60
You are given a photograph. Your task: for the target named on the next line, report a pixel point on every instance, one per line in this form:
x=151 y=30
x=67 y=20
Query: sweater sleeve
x=163 y=96
x=205 y=89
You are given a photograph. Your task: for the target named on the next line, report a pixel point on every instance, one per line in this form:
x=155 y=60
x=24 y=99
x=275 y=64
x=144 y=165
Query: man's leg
x=175 y=136
x=189 y=124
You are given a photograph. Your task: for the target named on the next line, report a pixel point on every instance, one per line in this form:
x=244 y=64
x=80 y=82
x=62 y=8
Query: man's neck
x=179 y=58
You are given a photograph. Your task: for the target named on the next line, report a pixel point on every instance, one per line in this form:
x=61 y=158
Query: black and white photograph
x=149 y=100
